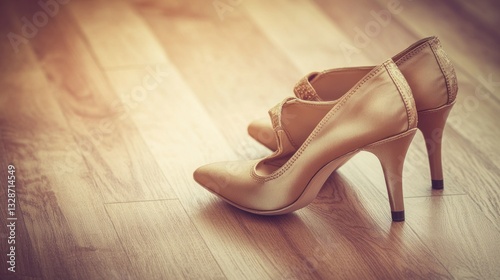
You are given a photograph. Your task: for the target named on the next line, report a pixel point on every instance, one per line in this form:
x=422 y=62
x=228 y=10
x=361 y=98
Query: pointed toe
x=208 y=177
x=200 y=174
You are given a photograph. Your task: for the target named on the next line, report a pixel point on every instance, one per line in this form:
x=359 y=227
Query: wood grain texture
x=99 y=19
x=109 y=142
x=294 y=34
x=452 y=229
x=54 y=205
x=208 y=61
x=110 y=106
x=161 y=241
x=27 y=263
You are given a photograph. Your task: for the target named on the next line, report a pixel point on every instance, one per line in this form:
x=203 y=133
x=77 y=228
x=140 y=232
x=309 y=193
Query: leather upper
x=425 y=66
x=378 y=106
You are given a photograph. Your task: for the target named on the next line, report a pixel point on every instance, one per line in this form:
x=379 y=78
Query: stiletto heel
x=391 y=154
x=431 y=123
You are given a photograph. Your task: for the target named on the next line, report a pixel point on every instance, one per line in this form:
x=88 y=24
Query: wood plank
x=17 y=64
x=236 y=82
x=355 y=211
x=111 y=147
x=116 y=35
x=26 y=263
x=337 y=224
x=162 y=242
x=484 y=13
x=67 y=226
x=472 y=47
x=17 y=55
x=68 y=229
x=312 y=43
x=466 y=251
x=370 y=29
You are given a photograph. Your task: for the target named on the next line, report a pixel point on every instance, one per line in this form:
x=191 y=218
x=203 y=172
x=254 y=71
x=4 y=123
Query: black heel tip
x=398 y=216
x=437 y=184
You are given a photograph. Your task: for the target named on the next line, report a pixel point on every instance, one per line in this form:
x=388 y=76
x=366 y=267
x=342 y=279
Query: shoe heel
x=391 y=154
x=432 y=123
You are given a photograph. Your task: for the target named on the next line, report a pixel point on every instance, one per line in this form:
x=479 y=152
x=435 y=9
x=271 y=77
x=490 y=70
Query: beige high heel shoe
x=430 y=75
x=377 y=115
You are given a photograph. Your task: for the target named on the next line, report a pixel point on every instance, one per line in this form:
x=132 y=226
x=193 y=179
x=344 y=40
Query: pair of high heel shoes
x=335 y=114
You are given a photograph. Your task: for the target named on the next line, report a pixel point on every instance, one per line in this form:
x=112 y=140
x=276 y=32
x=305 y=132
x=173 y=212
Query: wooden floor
x=107 y=107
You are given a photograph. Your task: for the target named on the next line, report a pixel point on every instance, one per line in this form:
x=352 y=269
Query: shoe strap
x=275 y=114
x=279 y=120
x=304 y=90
